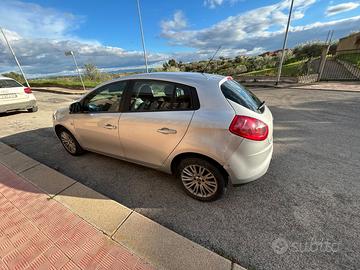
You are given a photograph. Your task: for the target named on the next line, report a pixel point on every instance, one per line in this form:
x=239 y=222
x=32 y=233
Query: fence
x=344 y=66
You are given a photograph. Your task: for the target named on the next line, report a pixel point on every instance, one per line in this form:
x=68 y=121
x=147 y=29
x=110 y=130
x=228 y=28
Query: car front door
x=97 y=126
x=155 y=120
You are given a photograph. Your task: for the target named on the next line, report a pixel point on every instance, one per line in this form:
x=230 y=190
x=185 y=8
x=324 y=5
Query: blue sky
x=107 y=34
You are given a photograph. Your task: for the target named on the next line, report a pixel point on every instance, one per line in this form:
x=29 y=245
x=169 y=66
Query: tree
x=170 y=63
x=308 y=50
x=16 y=76
x=92 y=72
x=332 y=49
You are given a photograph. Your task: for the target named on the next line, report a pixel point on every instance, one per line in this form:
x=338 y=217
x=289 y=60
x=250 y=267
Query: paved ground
x=332 y=86
x=308 y=201
x=60 y=90
x=38 y=233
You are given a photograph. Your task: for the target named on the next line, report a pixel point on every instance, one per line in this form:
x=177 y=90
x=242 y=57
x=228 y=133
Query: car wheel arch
x=177 y=159
x=59 y=127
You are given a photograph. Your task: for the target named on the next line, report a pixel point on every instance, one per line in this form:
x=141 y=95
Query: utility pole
x=16 y=60
x=76 y=65
x=142 y=36
x=284 y=44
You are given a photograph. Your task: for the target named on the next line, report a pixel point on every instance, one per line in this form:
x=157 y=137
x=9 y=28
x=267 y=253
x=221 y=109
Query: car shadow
x=4 y=114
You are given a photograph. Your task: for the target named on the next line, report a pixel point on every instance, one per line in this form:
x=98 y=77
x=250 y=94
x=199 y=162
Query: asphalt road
x=303 y=214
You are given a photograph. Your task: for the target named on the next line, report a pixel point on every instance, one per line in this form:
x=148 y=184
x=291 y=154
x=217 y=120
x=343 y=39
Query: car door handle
x=109 y=126
x=166 y=131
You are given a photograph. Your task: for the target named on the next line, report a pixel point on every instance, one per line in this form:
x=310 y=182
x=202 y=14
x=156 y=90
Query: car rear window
x=239 y=94
x=9 y=84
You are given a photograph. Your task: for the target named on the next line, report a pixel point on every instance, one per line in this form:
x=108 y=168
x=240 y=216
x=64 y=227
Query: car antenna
x=212 y=58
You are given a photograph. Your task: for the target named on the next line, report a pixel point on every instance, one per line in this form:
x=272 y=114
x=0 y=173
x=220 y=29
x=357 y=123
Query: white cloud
x=28 y=19
x=260 y=28
x=42 y=55
x=336 y=9
x=216 y=3
x=241 y=31
x=213 y=3
x=40 y=36
x=178 y=22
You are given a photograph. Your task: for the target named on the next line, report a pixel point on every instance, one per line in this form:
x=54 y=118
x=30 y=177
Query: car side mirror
x=75 y=107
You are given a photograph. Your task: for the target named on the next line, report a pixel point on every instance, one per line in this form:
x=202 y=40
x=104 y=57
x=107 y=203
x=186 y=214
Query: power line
x=16 y=60
x=142 y=36
x=284 y=44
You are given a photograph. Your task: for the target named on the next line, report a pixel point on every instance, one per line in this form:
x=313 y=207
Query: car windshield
x=237 y=93
x=9 y=84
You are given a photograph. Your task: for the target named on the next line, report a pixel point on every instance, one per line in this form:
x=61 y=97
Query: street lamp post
x=284 y=44
x=16 y=60
x=68 y=53
x=142 y=36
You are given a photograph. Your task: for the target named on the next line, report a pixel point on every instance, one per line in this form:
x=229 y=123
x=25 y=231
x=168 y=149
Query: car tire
x=33 y=109
x=69 y=142
x=201 y=179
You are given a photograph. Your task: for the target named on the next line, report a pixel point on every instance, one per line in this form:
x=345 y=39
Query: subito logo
x=280 y=245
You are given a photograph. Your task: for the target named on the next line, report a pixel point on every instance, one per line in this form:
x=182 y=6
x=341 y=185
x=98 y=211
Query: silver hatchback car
x=205 y=129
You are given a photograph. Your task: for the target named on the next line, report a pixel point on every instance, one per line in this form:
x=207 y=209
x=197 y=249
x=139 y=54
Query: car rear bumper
x=250 y=161
x=14 y=106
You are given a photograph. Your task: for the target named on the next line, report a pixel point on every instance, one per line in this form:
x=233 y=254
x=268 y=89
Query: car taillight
x=27 y=90
x=249 y=128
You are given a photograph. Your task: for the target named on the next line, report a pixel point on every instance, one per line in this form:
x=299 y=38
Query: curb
x=162 y=247
x=59 y=91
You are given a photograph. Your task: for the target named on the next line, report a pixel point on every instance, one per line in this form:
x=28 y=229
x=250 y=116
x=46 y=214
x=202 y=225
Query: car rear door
x=155 y=120
x=96 y=127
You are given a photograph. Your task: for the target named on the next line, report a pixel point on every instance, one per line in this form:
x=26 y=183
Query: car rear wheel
x=70 y=143
x=33 y=109
x=201 y=179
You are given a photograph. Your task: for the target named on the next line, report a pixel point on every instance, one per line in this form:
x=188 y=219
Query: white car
x=14 y=96
x=205 y=129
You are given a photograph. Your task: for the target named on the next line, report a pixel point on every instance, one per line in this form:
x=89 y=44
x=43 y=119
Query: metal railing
x=344 y=66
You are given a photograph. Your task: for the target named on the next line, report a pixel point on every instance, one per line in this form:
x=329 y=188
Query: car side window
x=106 y=99
x=159 y=96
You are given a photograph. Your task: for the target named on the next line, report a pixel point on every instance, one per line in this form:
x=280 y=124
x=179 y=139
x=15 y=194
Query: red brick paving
x=39 y=233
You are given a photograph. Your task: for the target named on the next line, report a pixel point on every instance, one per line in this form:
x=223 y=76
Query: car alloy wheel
x=68 y=142
x=199 y=181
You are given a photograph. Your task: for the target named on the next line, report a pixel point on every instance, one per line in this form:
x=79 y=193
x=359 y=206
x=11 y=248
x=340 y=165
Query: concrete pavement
x=331 y=86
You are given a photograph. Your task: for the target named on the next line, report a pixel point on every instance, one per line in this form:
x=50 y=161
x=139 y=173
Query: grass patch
x=353 y=58
x=73 y=83
x=289 y=70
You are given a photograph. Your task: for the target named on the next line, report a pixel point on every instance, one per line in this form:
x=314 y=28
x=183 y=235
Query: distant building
x=273 y=53
x=349 y=44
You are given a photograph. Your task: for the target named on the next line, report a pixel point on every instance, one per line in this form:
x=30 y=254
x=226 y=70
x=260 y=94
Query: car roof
x=189 y=78
x=5 y=78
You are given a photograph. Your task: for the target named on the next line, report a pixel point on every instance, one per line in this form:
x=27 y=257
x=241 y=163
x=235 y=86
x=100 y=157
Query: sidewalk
x=331 y=86
x=48 y=219
x=40 y=233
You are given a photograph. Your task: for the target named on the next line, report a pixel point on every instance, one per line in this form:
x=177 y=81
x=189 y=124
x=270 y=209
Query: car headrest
x=145 y=90
x=169 y=90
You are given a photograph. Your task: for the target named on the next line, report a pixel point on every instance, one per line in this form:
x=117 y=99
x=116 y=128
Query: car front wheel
x=33 y=109
x=69 y=142
x=201 y=179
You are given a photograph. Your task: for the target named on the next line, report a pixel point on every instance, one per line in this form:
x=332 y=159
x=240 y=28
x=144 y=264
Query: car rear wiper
x=262 y=104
